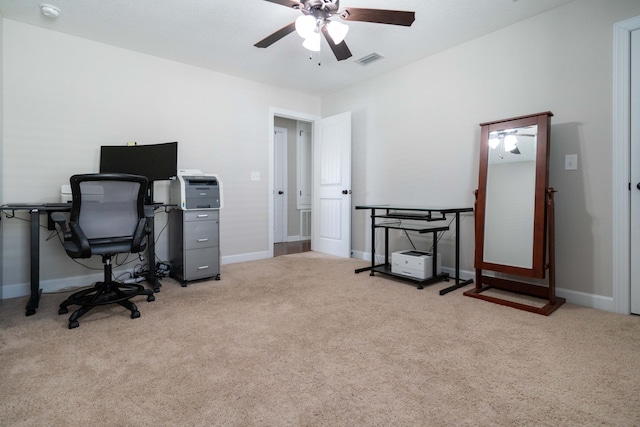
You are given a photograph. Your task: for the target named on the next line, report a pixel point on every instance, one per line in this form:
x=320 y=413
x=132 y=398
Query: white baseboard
x=253 y=256
x=53 y=285
x=18 y=290
x=587 y=300
x=574 y=297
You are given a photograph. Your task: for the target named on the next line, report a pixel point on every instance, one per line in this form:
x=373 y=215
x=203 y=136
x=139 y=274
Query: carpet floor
x=300 y=340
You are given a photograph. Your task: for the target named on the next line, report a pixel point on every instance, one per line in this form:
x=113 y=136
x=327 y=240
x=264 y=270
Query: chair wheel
x=135 y=314
x=151 y=298
x=63 y=310
x=74 y=324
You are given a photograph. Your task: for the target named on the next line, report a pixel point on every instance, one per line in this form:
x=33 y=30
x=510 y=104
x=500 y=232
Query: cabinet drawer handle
x=203 y=267
x=203 y=215
x=202 y=240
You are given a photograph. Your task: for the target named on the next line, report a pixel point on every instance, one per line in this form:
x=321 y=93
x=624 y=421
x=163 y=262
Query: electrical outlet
x=571 y=162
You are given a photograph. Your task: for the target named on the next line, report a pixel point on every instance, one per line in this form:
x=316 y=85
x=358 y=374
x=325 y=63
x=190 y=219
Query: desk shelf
x=415 y=228
x=386 y=270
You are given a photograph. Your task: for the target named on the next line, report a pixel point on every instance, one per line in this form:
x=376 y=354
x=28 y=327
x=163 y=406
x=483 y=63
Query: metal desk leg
x=34 y=225
x=458 y=283
x=373 y=241
x=151 y=250
x=373 y=246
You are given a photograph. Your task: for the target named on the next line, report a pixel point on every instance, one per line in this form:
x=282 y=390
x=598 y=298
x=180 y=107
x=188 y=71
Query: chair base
x=103 y=293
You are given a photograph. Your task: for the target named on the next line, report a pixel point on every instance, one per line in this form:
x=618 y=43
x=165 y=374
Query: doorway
x=291 y=185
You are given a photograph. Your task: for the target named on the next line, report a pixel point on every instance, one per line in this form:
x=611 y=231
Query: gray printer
x=192 y=189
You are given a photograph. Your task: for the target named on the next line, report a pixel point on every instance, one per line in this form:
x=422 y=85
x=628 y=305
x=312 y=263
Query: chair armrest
x=61 y=220
x=79 y=238
x=141 y=230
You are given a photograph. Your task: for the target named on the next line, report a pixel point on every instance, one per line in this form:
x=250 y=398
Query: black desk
x=35 y=210
x=422 y=214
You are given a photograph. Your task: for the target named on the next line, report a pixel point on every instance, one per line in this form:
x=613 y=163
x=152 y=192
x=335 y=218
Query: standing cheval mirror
x=514 y=214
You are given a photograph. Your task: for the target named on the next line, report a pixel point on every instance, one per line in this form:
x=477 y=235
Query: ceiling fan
x=316 y=19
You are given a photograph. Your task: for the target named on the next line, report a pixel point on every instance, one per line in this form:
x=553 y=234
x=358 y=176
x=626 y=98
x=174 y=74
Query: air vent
x=366 y=60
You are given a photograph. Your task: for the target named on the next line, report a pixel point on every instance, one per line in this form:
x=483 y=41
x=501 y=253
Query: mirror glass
x=510 y=197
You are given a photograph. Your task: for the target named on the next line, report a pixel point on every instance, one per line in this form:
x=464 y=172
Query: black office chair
x=107 y=218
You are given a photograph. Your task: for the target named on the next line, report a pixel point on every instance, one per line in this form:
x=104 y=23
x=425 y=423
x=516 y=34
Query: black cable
x=164 y=227
x=397 y=222
x=409 y=238
x=441 y=234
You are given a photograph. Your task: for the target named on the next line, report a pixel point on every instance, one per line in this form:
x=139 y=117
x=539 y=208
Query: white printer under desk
x=414 y=264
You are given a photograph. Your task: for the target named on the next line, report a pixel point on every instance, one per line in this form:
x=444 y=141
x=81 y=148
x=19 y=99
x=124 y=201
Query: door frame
x=288 y=114
x=621 y=250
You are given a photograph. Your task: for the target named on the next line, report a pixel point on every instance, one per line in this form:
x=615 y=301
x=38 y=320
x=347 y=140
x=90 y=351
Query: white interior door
x=279 y=185
x=332 y=186
x=635 y=172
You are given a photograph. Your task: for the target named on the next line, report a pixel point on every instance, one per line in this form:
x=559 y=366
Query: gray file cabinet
x=194 y=244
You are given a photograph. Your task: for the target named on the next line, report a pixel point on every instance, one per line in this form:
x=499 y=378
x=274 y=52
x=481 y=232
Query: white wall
x=416 y=130
x=65 y=96
x=1 y=139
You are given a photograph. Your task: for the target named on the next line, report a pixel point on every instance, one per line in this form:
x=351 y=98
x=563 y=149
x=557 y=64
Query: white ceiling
x=219 y=34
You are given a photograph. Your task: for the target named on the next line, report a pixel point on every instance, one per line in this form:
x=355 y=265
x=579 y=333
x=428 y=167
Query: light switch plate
x=571 y=162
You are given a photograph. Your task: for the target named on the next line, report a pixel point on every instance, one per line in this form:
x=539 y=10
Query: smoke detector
x=49 y=11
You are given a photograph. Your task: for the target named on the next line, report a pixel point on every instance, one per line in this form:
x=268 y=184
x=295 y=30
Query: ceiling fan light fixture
x=338 y=31
x=510 y=142
x=312 y=42
x=305 y=26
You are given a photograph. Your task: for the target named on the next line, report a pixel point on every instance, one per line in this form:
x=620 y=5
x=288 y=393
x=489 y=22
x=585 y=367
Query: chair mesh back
x=108 y=208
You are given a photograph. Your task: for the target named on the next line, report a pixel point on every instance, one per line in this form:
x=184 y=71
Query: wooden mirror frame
x=543 y=226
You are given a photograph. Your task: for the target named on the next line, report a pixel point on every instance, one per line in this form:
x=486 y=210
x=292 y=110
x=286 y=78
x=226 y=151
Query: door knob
x=349 y=191
x=638 y=186
x=280 y=192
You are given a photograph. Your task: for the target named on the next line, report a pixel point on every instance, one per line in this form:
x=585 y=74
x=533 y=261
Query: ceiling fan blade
x=289 y=3
x=272 y=38
x=340 y=50
x=380 y=16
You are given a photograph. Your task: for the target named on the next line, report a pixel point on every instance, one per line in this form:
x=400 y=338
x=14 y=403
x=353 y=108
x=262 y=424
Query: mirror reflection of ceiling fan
x=317 y=19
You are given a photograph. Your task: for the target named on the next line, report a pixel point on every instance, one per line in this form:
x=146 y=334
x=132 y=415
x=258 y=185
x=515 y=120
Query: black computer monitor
x=157 y=162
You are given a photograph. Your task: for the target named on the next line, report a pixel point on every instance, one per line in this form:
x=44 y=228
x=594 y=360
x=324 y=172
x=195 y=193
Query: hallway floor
x=291 y=247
